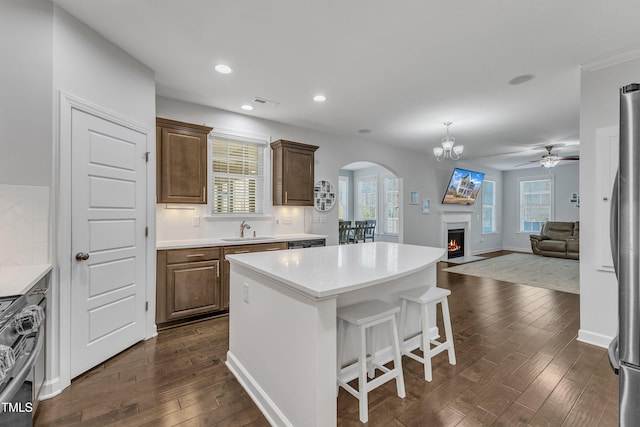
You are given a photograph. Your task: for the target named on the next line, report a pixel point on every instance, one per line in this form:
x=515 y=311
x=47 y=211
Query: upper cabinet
x=181 y=150
x=293 y=173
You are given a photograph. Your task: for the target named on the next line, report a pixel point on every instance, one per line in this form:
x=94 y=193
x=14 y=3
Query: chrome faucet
x=242 y=227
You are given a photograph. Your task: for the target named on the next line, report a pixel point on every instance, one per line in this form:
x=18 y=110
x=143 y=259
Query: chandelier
x=448 y=150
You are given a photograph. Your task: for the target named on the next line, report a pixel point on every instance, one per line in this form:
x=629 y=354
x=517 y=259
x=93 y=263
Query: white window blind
x=488 y=206
x=536 y=203
x=237 y=175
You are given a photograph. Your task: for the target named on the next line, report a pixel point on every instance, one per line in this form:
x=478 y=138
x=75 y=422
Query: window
x=343 y=197
x=488 y=207
x=367 y=206
x=237 y=174
x=535 y=203
x=390 y=205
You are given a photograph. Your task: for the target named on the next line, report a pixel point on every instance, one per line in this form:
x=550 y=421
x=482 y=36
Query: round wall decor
x=324 y=196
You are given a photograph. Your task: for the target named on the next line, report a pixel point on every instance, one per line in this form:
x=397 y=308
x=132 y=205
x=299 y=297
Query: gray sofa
x=557 y=239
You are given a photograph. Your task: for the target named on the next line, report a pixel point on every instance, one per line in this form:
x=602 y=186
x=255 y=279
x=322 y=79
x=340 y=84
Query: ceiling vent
x=265 y=102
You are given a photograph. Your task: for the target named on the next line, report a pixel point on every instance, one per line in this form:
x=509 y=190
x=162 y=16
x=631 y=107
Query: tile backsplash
x=24 y=225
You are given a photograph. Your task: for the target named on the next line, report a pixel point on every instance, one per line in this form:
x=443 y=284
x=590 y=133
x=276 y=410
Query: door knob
x=82 y=256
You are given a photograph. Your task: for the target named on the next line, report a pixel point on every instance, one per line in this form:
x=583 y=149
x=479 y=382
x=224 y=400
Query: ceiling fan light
x=550 y=162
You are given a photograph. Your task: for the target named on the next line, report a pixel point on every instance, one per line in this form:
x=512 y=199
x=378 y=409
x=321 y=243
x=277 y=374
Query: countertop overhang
x=18 y=280
x=329 y=271
x=219 y=241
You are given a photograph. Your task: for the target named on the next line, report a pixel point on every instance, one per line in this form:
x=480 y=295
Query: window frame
x=261 y=197
x=494 y=225
x=357 y=211
x=345 y=179
x=522 y=180
x=384 y=192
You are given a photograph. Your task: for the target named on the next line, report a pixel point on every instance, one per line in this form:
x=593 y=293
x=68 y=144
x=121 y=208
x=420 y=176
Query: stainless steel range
x=22 y=336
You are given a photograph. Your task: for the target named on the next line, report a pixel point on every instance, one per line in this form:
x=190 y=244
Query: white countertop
x=219 y=241
x=333 y=270
x=18 y=280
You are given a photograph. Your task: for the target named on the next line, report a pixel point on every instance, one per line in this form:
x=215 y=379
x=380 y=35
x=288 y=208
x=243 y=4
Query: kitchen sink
x=246 y=239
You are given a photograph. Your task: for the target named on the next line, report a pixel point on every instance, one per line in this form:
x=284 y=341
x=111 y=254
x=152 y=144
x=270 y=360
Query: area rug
x=533 y=270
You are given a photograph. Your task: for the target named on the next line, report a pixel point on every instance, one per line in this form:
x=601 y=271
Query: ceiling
x=399 y=69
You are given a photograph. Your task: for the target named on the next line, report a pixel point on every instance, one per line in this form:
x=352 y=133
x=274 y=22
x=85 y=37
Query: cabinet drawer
x=259 y=247
x=176 y=256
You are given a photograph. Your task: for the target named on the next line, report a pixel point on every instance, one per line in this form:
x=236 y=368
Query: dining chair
x=344 y=231
x=370 y=232
x=359 y=231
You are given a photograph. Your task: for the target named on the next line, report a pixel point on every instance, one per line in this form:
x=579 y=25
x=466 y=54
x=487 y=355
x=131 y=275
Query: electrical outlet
x=195 y=221
x=278 y=220
x=245 y=293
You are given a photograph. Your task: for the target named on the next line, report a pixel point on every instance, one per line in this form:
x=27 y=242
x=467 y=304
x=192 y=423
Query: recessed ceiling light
x=521 y=79
x=319 y=98
x=247 y=107
x=364 y=131
x=223 y=69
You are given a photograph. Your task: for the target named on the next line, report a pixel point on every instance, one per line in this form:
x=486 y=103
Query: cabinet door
x=298 y=177
x=192 y=288
x=183 y=167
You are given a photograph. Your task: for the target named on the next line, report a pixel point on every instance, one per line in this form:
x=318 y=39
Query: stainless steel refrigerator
x=624 y=350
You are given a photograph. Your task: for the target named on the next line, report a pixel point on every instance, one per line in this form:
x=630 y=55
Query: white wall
x=88 y=67
x=566 y=181
x=599 y=107
x=26 y=96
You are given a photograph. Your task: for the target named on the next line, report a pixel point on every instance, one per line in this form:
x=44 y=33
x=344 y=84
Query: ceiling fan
x=549 y=160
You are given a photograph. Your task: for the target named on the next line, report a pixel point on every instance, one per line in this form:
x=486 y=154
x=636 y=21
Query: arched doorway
x=371 y=192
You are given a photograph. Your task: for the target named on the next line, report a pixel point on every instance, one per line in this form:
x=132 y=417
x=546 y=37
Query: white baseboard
x=273 y=414
x=51 y=388
x=594 y=338
x=485 y=250
x=515 y=249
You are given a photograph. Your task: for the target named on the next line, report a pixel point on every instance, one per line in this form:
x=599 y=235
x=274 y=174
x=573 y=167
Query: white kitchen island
x=282 y=319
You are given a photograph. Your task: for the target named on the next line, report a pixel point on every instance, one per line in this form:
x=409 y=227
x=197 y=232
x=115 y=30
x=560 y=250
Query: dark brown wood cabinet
x=244 y=249
x=181 y=151
x=188 y=283
x=293 y=173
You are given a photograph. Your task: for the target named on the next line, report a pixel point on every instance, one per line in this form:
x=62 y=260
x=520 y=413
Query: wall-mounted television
x=463 y=187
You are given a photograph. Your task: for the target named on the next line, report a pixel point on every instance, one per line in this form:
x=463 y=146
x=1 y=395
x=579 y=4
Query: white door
x=108 y=214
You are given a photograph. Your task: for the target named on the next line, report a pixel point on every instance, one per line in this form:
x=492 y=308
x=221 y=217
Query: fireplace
x=455 y=243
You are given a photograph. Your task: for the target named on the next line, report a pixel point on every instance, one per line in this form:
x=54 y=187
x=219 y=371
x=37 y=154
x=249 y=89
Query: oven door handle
x=14 y=385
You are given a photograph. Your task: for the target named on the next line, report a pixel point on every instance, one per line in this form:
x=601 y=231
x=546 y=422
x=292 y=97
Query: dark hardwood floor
x=518 y=364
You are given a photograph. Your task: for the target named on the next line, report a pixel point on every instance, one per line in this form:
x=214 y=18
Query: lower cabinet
x=245 y=249
x=188 y=283
x=195 y=282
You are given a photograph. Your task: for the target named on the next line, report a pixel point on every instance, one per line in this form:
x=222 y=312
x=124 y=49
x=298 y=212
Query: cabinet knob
x=605 y=198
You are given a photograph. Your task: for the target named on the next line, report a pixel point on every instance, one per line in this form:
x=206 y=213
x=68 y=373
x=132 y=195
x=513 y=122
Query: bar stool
x=426 y=298
x=365 y=316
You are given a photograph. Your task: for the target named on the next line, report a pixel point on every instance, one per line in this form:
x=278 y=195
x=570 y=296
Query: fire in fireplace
x=455 y=247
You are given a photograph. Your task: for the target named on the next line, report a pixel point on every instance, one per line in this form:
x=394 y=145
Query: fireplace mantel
x=453 y=220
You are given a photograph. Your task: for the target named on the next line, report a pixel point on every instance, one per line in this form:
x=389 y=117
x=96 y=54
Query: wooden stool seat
x=426 y=297
x=366 y=315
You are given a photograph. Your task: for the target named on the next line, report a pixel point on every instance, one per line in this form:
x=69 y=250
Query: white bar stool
x=426 y=298
x=365 y=315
